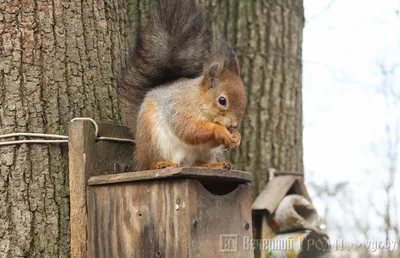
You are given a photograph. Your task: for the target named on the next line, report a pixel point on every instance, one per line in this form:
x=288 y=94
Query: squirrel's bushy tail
x=172 y=45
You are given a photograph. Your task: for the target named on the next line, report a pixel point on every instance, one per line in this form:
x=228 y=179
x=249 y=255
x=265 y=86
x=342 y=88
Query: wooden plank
x=273 y=193
x=88 y=157
x=266 y=231
x=300 y=188
x=166 y=218
x=203 y=174
x=218 y=217
x=104 y=154
x=138 y=220
x=114 y=130
x=77 y=186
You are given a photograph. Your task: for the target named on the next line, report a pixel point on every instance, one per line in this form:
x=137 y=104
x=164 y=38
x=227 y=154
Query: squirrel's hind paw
x=165 y=164
x=224 y=165
x=220 y=165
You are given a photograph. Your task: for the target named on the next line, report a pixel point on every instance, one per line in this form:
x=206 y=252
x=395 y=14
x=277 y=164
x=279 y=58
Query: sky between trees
x=345 y=111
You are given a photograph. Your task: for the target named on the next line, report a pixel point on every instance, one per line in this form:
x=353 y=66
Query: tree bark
x=59 y=60
x=267 y=37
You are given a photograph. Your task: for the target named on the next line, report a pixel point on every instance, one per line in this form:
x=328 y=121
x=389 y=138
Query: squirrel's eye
x=222 y=101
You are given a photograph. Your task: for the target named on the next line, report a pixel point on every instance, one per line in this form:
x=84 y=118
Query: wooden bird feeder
x=174 y=212
x=266 y=205
x=268 y=200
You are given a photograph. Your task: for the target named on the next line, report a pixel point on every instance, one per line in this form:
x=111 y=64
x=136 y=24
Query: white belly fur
x=173 y=149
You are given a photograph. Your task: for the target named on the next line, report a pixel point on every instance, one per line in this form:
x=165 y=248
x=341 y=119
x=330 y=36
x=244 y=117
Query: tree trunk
x=267 y=37
x=59 y=60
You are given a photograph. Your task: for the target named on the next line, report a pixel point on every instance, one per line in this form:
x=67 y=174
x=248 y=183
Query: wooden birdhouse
x=173 y=212
x=283 y=213
x=268 y=200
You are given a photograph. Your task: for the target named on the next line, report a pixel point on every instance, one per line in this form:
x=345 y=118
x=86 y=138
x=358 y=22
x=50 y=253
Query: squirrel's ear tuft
x=231 y=62
x=223 y=58
x=213 y=70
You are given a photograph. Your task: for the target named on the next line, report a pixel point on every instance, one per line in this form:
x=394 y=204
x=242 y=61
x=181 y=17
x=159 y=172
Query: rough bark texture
x=59 y=60
x=267 y=36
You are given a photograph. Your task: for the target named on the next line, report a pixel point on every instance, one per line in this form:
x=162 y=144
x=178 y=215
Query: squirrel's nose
x=234 y=125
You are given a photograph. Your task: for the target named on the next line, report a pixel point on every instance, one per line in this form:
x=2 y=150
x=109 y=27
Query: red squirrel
x=181 y=102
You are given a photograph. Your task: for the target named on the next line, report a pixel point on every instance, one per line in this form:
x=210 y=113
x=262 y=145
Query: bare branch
x=325 y=9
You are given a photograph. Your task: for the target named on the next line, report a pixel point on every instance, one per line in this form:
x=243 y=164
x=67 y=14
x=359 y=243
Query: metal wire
x=38 y=135
x=41 y=135
x=62 y=138
x=96 y=127
x=96 y=131
x=31 y=141
x=102 y=138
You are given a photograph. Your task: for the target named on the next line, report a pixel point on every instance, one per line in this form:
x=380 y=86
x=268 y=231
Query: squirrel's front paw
x=222 y=135
x=165 y=164
x=236 y=137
